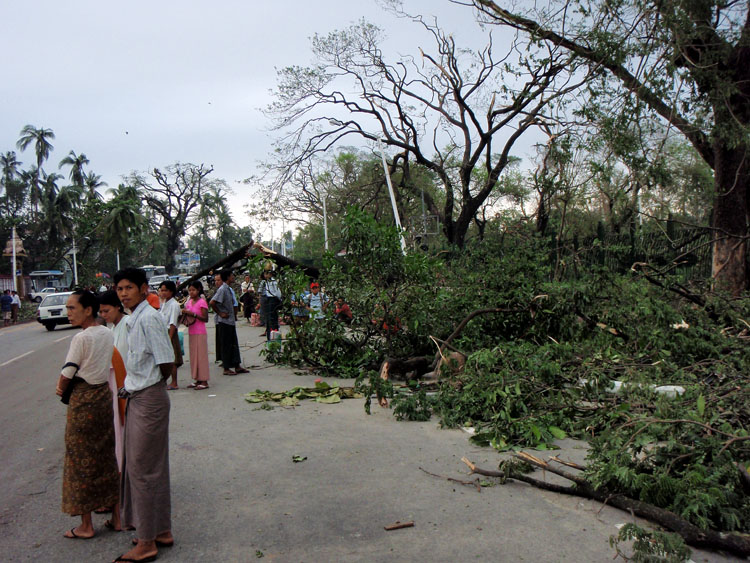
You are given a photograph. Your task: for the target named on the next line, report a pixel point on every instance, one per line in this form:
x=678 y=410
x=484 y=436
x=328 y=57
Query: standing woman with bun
x=113 y=313
x=90 y=477
x=196 y=310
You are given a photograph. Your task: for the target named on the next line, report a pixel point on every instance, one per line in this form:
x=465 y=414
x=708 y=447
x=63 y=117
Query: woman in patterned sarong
x=90 y=477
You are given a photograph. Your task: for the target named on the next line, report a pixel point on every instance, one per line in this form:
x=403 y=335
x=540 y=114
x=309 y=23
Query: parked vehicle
x=155 y=281
x=37 y=296
x=51 y=311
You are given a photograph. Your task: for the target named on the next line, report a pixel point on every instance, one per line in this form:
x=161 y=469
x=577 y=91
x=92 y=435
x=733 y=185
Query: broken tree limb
x=521 y=477
x=475 y=483
x=459 y=329
x=693 y=535
x=281 y=260
x=244 y=252
x=238 y=254
x=568 y=463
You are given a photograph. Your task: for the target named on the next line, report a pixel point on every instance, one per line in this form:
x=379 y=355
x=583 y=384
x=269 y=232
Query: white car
x=155 y=281
x=42 y=293
x=51 y=311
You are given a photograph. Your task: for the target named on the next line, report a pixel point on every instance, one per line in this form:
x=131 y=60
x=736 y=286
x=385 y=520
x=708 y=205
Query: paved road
x=237 y=495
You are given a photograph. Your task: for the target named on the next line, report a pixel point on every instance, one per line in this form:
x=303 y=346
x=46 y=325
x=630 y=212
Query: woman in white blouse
x=90 y=477
x=170 y=311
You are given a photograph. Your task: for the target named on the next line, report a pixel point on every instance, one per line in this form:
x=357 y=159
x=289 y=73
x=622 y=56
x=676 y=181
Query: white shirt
x=90 y=355
x=16 y=300
x=270 y=288
x=171 y=312
x=120 y=332
x=148 y=347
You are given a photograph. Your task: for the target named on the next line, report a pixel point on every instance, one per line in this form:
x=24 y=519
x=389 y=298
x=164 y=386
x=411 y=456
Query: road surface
x=238 y=496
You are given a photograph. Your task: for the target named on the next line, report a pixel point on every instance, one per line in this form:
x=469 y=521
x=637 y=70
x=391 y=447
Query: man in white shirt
x=315 y=301
x=15 y=306
x=144 y=489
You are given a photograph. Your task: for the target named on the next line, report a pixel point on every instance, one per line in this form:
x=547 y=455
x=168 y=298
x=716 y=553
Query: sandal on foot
x=172 y=387
x=74 y=536
x=230 y=372
x=193 y=385
x=110 y=526
x=201 y=387
x=158 y=543
x=242 y=370
x=130 y=559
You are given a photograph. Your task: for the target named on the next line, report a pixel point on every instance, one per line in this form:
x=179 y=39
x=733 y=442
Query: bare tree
x=175 y=196
x=448 y=105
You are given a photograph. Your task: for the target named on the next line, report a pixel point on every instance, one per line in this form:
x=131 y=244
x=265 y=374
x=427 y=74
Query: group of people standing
x=127 y=474
x=10 y=304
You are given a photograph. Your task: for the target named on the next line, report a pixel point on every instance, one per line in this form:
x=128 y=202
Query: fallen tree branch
x=459 y=329
x=693 y=535
x=474 y=483
x=568 y=463
x=238 y=254
x=311 y=272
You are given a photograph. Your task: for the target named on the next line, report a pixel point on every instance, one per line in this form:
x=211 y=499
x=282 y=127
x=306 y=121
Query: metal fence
x=685 y=252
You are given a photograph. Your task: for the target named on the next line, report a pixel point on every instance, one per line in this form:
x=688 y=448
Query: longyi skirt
x=90 y=476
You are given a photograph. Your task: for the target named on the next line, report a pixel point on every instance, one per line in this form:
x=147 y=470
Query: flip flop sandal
x=201 y=387
x=172 y=388
x=229 y=372
x=159 y=543
x=242 y=370
x=131 y=560
x=193 y=385
x=74 y=536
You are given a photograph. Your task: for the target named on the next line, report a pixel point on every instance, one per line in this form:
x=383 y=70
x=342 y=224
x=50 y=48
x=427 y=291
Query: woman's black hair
x=88 y=299
x=197 y=285
x=109 y=297
x=170 y=285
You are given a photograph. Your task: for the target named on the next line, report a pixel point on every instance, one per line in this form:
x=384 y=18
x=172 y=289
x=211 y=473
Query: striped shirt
x=148 y=347
x=222 y=302
x=171 y=311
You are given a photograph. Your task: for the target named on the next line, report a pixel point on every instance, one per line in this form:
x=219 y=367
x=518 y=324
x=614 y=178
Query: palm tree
x=10 y=165
x=14 y=193
x=49 y=187
x=58 y=209
x=76 y=163
x=124 y=217
x=30 y=179
x=92 y=182
x=41 y=139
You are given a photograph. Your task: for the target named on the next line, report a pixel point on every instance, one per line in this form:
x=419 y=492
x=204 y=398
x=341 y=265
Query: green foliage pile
x=583 y=358
x=394 y=299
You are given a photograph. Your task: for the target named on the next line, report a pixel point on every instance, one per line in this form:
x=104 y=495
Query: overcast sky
x=140 y=84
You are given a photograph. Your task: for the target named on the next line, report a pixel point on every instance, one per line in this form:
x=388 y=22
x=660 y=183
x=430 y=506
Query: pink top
x=198 y=327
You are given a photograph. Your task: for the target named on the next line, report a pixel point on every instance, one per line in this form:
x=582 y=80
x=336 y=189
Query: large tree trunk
x=730 y=219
